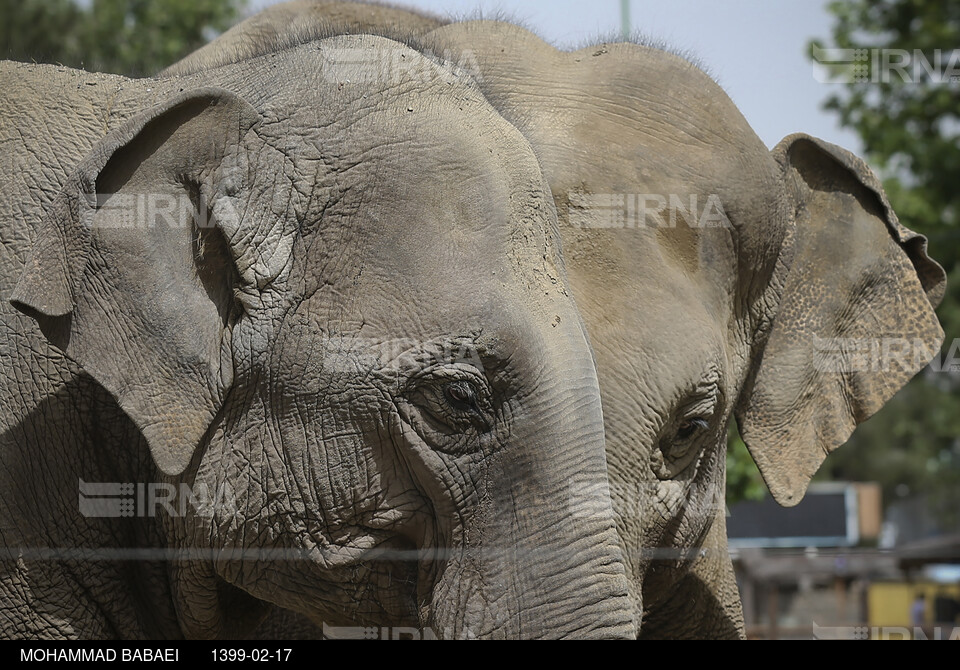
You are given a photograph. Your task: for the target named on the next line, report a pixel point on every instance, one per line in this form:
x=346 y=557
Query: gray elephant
x=306 y=19
x=295 y=333
x=716 y=279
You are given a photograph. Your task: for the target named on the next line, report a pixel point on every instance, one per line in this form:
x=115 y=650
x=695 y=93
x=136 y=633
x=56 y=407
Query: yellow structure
x=889 y=605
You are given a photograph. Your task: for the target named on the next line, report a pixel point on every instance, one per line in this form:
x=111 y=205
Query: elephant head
x=717 y=279
x=364 y=330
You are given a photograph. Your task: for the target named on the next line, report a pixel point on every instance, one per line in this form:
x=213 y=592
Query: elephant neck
x=75 y=562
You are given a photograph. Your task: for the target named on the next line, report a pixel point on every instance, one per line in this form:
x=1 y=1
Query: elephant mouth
x=384 y=578
x=392 y=571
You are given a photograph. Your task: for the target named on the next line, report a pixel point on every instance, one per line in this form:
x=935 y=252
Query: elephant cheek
x=320 y=498
x=675 y=523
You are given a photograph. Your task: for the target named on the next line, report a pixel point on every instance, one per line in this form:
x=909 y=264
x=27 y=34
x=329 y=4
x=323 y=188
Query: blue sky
x=756 y=49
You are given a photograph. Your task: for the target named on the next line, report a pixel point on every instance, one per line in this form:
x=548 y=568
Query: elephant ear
x=855 y=320
x=129 y=281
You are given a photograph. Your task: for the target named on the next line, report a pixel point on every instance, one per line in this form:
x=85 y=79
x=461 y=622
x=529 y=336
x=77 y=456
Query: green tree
x=744 y=481
x=44 y=31
x=131 y=37
x=909 y=120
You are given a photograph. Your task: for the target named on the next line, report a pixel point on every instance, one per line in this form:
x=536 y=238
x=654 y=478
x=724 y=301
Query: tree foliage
x=909 y=120
x=131 y=37
x=744 y=481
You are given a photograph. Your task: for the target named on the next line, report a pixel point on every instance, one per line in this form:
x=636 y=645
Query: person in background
x=918 y=611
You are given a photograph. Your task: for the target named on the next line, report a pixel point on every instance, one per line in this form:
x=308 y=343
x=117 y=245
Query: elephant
x=294 y=335
x=718 y=281
x=306 y=19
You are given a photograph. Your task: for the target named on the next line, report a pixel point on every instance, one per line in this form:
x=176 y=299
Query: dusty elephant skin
x=359 y=342
x=716 y=279
x=297 y=21
x=722 y=303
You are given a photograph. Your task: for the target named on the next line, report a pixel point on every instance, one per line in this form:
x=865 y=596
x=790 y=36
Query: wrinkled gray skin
x=369 y=350
x=304 y=18
x=701 y=316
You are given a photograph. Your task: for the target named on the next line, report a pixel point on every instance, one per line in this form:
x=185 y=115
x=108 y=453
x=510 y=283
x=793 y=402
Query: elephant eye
x=680 y=451
x=461 y=395
x=691 y=427
x=453 y=397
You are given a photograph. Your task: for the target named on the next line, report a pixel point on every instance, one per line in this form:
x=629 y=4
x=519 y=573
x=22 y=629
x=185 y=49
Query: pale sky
x=754 y=48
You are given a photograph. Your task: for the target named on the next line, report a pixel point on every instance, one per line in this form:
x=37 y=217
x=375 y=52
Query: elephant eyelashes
x=684 y=435
x=681 y=449
x=455 y=398
x=462 y=395
x=691 y=427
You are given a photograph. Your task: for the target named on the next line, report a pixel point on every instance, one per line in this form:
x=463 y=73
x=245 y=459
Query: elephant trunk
x=541 y=557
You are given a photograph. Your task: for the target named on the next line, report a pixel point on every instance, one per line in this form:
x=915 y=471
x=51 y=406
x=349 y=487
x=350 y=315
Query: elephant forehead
x=628 y=130
x=425 y=163
x=618 y=137
x=423 y=143
x=428 y=205
x=616 y=112
x=379 y=300
x=656 y=309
